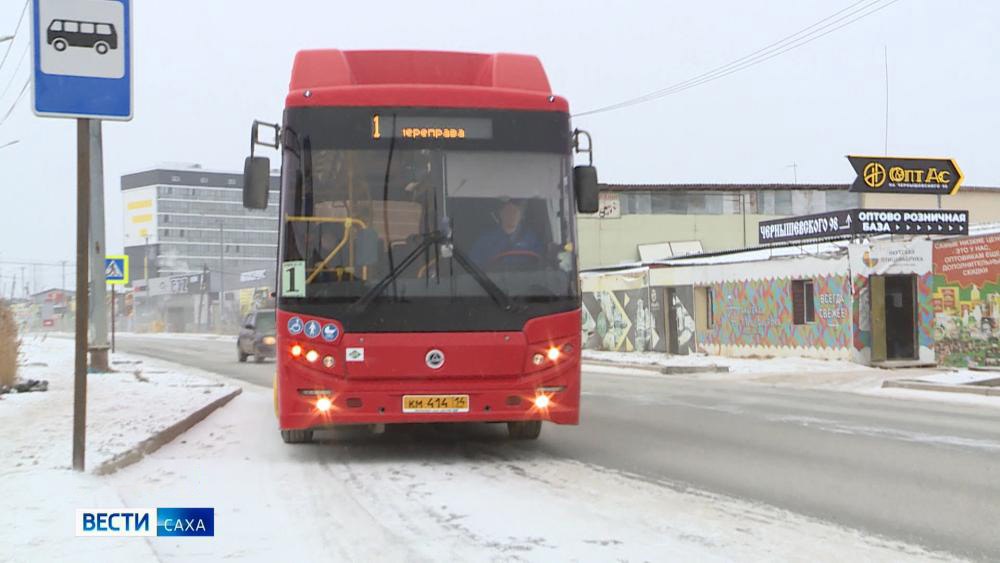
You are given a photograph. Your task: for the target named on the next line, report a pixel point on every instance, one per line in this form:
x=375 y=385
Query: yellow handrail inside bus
x=348 y=223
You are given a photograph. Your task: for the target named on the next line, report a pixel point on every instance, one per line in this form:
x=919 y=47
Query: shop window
x=803 y=302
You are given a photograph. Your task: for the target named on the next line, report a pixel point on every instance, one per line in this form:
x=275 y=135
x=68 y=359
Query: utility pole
x=99 y=304
x=222 y=273
x=82 y=250
x=795 y=172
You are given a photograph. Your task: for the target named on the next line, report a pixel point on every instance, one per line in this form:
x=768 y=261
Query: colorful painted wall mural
x=758 y=313
x=620 y=314
x=966 y=301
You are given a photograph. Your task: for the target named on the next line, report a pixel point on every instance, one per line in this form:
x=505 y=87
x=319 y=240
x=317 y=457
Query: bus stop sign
x=82 y=58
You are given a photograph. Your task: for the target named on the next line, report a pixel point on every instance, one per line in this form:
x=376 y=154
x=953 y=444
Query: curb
x=921 y=386
x=163 y=437
x=606 y=363
x=661 y=369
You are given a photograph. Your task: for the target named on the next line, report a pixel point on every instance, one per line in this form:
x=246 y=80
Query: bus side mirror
x=256 y=181
x=587 y=191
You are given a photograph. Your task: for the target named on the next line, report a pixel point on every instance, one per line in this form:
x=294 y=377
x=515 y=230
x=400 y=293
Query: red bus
x=427 y=257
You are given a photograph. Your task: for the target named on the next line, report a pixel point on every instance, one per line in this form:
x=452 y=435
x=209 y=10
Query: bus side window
x=87 y=28
x=103 y=29
x=56 y=25
x=72 y=27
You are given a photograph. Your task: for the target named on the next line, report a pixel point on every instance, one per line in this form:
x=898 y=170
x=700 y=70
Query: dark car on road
x=257 y=336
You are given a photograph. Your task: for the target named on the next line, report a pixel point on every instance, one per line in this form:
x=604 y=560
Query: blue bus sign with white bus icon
x=83 y=58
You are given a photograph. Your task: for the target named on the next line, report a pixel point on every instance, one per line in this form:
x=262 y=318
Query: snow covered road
x=917 y=471
x=432 y=493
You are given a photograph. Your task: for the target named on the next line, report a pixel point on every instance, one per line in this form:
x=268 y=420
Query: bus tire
x=297 y=436
x=101 y=47
x=59 y=45
x=524 y=430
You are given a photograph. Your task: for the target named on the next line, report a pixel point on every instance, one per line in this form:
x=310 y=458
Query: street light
x=14 y=142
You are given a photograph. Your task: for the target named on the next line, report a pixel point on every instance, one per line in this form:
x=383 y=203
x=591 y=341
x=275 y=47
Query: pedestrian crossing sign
x=116 y=270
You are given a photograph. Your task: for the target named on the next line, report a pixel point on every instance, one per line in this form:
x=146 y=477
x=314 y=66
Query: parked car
x=257 y=336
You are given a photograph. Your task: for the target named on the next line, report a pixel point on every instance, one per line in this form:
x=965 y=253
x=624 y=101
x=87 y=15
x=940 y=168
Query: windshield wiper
x=429 y=239
x=484 y=280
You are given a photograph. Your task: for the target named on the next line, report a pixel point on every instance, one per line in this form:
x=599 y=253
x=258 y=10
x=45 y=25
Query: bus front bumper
x=315 y=403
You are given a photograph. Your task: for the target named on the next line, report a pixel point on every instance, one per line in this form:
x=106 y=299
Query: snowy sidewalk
x=804 y=373
x=39 y=490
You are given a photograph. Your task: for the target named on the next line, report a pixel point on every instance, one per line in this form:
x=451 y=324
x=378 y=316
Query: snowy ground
x=445 y=497
x=735 y=365
x=806 y=373
x=124 y=408
x=448 y=495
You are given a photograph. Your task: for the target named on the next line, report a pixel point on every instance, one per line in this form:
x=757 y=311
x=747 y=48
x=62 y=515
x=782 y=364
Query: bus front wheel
x=524 y=430
x=59 y=45
x=297 y=436
x=101 y=48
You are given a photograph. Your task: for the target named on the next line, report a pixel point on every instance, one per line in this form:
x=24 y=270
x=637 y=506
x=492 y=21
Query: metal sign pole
x=113 y=319
x=99 y=310
x=82 y=247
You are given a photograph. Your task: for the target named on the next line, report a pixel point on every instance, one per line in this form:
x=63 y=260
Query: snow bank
x=735 y=365
x=39 y=490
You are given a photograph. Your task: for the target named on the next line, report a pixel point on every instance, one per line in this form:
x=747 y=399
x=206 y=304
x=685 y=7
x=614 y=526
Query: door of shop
x=894 y=317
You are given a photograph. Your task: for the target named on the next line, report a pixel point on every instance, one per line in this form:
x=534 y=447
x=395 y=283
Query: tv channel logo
x=145 y=522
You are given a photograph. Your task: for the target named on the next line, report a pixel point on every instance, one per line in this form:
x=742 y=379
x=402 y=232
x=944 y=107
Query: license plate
x=435 y=403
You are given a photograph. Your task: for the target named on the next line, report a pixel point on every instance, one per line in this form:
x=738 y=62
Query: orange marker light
x=296 y=351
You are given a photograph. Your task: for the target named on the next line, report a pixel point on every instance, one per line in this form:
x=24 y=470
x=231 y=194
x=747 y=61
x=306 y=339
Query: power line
x=16 y=100
x=819 y=29
x=10 y=45
x=20 y=61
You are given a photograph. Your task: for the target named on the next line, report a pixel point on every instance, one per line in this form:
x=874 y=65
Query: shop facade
x=878 y=302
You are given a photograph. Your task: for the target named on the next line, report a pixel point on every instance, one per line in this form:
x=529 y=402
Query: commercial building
x=644 y=222
x=188 y=236
x=912 y=300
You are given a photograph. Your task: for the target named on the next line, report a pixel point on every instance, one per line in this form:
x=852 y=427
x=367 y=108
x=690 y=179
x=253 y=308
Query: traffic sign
x=849 y=223
x=83 y=58
x=900 y=175
x=116 y=270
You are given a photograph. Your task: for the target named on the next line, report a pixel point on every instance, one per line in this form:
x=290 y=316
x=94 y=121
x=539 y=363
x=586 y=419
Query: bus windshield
x=403 y=219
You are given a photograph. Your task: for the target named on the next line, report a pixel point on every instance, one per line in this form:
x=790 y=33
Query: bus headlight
x=553 y=353
x=542 y=401
x=323 y=404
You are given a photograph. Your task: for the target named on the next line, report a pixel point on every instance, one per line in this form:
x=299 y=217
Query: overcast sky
x=204 y=70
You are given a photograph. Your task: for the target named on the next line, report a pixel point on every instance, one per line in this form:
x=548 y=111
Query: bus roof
x=332 y=77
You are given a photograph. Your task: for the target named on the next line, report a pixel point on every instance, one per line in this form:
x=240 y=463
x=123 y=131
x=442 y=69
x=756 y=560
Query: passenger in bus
x=509 y=242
